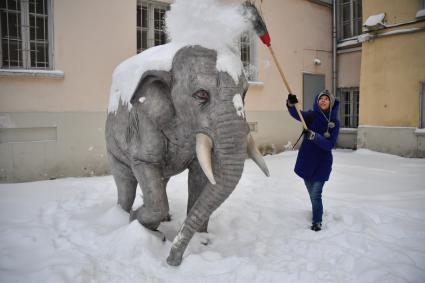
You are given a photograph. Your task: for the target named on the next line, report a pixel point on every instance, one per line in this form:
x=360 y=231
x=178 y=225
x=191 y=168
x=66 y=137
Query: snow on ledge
x=348 y=130
x=375 y=22
x=32 y=73
x=386 y=127
x=420 y=14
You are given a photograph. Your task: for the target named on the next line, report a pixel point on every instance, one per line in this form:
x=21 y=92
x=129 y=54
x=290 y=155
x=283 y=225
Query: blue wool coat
x=314 y=160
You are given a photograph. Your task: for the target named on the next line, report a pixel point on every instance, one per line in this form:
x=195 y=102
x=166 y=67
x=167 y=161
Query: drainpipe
x=334 y=47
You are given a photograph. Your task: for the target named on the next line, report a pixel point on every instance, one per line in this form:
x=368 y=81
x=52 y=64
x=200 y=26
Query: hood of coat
x=334 y=106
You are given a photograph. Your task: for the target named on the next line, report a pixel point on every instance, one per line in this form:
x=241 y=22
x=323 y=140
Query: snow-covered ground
x=70 y=230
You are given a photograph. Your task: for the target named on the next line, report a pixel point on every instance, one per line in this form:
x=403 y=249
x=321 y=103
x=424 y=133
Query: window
x=349 y=18
x=349 y=107
x=25 y=34
x=247 y=49
x=253 y=126
x=150 y=24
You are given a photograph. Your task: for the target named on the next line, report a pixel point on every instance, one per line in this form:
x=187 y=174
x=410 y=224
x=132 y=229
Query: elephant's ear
x=153 y=97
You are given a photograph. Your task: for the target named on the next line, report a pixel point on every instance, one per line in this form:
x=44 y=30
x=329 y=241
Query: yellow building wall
x=392 y=68
x=397 y=11
x=349 y=69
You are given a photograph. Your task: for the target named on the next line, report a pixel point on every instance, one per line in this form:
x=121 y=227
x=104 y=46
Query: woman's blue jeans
x=315 y=189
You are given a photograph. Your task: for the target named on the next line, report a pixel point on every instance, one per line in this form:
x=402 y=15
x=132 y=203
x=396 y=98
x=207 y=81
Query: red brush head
x=254 y=16
x=265 y=38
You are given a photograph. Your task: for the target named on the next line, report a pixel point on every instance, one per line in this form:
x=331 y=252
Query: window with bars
x=349 y=18
x=248 y=56
x=150 y=24
x=25 y=36
x=349 y=107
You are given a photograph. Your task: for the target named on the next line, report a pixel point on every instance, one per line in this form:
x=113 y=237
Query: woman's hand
x=292 y=100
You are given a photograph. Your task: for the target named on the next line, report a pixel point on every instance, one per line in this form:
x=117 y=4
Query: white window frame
x=151 y=6
x=251 y=66
x=353 y=117
x=352 y=20
x=25 y=37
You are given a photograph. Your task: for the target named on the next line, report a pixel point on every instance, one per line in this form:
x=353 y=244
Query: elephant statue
x=190 y=117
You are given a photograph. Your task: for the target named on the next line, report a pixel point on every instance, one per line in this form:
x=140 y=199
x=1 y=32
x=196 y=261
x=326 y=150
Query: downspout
x=334 y=47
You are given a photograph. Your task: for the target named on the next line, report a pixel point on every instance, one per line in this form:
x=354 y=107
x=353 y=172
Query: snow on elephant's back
x=212 y=24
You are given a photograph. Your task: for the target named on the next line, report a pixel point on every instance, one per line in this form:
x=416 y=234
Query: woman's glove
x=292 y=100
x=310 y=134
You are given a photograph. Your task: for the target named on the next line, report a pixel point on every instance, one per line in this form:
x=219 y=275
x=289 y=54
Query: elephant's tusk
x=255 y=155
x=203 y=153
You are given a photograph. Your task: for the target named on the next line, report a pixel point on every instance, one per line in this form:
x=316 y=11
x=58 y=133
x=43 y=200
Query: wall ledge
x=255 y=83
x=348 y=130
x=420 y=132
x=56 y=74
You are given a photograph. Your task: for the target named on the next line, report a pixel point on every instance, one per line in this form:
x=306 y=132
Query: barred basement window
x=349 y=107
x=25 y=34
x=349 y=18
x=150 y=24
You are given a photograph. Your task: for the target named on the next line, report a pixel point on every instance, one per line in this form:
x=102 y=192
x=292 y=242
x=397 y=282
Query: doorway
x=312 y=85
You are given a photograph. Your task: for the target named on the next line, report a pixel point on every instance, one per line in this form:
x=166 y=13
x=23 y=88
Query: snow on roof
x=210 y=24
x=420 y=14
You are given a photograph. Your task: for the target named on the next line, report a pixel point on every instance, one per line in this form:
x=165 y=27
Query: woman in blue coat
x=314 y=160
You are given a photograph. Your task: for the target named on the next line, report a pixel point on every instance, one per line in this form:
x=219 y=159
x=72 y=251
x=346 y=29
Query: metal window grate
x=159 y=26
x=24 y=34
x=349 y=107
x=38 y=35
x=247 y=49
x=11 y=36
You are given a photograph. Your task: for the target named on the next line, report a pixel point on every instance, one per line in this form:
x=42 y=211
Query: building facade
x=381 y=72
x=392 y=78
x=57 y=59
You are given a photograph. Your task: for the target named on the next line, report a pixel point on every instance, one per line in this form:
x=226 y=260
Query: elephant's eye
x=202 y=96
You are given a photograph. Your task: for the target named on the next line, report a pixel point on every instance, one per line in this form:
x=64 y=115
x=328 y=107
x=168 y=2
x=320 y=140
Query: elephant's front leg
x=155 y=202
x=196 y=184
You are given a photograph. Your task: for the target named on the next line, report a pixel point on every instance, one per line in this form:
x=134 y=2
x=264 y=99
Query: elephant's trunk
x=229 y=154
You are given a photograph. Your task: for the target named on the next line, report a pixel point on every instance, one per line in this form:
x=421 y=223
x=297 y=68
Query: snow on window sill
x=32 y=73
x=348 y=130
x=420 y=131
x=256 y=83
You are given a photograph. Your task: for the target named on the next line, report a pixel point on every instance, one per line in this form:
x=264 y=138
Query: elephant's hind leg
x=126 y=183
x=126 y=192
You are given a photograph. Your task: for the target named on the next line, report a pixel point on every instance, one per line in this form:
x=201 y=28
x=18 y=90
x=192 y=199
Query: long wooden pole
x=287 y=85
